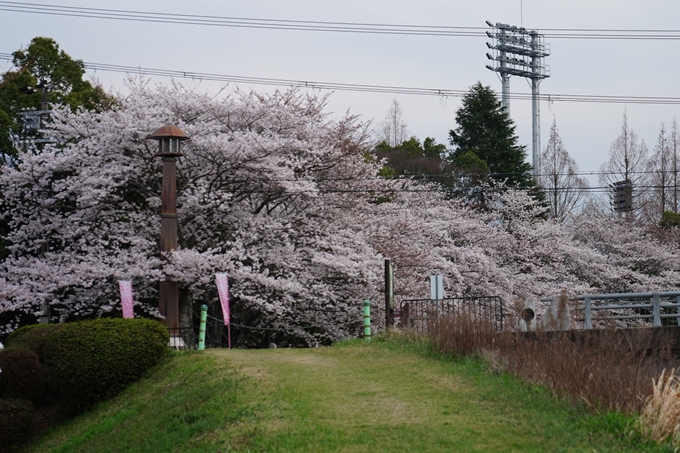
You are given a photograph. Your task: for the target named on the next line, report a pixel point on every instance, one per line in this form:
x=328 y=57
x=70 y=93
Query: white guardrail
x=646 y=307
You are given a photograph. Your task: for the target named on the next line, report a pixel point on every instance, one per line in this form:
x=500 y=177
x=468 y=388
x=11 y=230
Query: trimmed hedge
x=33 y=337
x=22 y=376
x=91 y=361
x=16 y=420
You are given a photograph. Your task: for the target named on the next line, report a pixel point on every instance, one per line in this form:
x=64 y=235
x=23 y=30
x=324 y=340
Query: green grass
x=352 y=397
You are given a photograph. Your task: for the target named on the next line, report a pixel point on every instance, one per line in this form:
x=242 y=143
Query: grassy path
x=348 y=398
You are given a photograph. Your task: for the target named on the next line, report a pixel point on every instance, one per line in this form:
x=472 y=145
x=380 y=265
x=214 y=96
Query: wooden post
x=406 y=315
x=389 y=295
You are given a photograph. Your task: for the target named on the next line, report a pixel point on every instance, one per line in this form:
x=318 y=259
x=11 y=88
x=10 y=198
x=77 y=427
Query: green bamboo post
x=201 y=331
x=367 y=320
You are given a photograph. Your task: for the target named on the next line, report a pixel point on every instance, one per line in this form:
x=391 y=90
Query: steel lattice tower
x=520 y=52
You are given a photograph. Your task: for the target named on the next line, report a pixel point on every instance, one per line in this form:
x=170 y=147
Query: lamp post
x=169 y=138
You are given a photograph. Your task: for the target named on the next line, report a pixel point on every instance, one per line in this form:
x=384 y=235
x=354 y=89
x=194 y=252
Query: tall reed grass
x=602 y=369
x=660 y=417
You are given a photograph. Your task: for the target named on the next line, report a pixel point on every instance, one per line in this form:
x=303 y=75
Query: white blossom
x=283 y=198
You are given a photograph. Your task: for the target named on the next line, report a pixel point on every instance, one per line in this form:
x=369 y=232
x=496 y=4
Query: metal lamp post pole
x=169 y=138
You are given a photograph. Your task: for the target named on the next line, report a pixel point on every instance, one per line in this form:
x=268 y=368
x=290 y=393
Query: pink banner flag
x=126 y=298
x=222 y=283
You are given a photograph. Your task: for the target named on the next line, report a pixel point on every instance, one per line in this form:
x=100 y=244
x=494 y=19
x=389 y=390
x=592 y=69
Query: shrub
x=16 y=418
x=669 y=219
x=91 y=361
x=22 y=375
x=33 y=337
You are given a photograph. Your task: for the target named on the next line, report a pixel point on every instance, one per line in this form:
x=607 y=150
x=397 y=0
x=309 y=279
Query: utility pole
x=43 y=94
x=520 y=52
x=169 y=138
x=34 y=121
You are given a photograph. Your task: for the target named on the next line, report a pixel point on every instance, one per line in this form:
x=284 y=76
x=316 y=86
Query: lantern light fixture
x=169 y=138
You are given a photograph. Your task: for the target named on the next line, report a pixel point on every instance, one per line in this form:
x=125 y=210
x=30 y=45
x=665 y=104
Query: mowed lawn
x=382 y=397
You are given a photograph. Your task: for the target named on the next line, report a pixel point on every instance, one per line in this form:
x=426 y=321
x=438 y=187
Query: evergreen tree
x=486 y=130
x=42 y=63
x=421 y=161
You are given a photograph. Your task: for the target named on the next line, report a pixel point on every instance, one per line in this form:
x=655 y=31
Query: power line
x=240 y=22
x=443 y=175
x=322 y=26
x=265 y=81
x=335 y=86
x=430 y=189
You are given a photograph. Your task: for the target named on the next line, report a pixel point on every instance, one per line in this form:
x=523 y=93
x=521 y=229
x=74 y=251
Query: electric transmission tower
x=35 y=120
x=520 y=52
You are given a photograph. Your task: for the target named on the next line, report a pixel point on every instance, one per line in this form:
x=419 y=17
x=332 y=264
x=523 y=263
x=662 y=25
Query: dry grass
x=604 y=369
x=660 y=418
x=462 y=335
x=601 y=368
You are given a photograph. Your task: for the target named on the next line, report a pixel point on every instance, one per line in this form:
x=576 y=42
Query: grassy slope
x=347 y=398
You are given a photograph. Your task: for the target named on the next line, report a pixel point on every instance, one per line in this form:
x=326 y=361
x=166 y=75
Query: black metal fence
x=416 y=313
x=412 y=313
x=187 y=337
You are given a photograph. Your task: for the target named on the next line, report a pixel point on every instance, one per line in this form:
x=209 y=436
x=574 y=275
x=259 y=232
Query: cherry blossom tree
x=283 y=197
x=259 y=187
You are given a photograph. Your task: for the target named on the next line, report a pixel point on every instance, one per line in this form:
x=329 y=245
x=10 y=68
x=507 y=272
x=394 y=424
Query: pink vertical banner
x=222 y=283
x=126 y=298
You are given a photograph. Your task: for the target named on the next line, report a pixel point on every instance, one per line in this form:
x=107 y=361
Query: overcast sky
x=597 y=67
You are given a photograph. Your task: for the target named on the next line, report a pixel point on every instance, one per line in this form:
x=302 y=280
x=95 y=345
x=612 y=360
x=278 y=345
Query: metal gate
x=416 y=313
